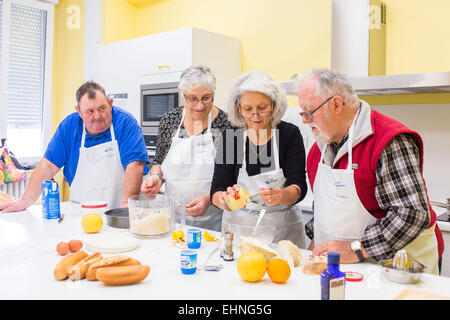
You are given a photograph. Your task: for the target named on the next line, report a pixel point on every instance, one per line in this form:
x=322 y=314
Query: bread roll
x=78 y=271
x=63 y=266
x=115 y=261
x=115 y=276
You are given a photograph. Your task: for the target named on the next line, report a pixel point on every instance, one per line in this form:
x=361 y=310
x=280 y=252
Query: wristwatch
x=356 y=248
x=159 y=175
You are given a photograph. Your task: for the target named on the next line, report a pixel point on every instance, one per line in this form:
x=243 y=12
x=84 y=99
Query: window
x=26 y=28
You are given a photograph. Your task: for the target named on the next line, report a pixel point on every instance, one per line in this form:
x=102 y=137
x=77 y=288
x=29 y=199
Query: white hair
x=256 y=82
x=330 y=83
x=197 y=76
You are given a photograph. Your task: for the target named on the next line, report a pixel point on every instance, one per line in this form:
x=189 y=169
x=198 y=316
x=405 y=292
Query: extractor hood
x=431 y=82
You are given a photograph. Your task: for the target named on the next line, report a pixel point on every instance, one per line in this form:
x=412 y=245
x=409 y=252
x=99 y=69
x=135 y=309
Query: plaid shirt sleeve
x=401 y=192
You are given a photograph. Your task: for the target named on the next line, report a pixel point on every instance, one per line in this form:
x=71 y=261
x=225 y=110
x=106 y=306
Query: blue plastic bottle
x=332 y=280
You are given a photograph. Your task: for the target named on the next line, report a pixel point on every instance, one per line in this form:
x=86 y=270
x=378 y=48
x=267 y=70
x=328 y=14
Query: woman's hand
x=287 y=196
x=198 y=206
x=271 y=197
x=220 y=199
x=151 y=186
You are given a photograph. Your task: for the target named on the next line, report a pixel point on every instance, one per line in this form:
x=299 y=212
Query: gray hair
x=197 y=76
x=331 y=83
x=256 y=82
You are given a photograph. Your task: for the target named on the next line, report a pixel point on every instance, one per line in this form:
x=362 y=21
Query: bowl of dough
x=150 y=216
x=245 y=234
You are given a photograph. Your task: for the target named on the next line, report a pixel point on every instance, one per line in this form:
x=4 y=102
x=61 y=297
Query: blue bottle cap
x=333 y=257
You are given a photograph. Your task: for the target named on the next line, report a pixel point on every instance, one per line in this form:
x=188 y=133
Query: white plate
x=111 y=243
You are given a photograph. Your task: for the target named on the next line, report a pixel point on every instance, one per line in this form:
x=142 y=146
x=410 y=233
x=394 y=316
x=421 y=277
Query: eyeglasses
x=260 y=114
x=194 y=100
x=309 y=114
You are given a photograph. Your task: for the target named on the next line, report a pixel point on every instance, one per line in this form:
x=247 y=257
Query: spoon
x=212 y=267
x=260 y=216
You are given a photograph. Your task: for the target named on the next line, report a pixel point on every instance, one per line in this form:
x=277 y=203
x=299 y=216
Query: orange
x=251 y=266
x=91 y=223
x=278 y=270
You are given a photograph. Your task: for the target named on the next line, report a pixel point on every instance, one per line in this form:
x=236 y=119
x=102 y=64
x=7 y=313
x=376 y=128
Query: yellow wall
x=118 y=20
x=280 y=37
x=418 y=34
x=417 y=41
x=68 y=66
x=68 y=60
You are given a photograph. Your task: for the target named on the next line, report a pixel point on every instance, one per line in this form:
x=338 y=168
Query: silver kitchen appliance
x=156 y=100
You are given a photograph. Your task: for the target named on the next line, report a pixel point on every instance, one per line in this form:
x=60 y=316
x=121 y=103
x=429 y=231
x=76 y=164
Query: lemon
x=177 y=234
x=209 y=237
x=91 y=223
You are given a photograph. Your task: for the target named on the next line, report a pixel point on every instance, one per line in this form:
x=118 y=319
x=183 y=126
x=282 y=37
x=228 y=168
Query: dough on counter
x=293 y=251
x=111 y=243
x=252 y=244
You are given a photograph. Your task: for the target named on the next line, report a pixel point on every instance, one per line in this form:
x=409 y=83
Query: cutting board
x=412 y=294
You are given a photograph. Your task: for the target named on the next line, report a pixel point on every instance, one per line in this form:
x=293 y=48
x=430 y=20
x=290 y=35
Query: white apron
x=289 y=225
x=340 y=215
x=99 y=174
x=188 y=169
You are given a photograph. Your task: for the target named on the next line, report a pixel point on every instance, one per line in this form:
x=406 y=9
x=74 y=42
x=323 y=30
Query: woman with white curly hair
x=260 y=155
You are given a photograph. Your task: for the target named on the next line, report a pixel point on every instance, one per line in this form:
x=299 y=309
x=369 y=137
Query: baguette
x=78 y=271
x=116 y=276
x=115 y=261
x=63 y=266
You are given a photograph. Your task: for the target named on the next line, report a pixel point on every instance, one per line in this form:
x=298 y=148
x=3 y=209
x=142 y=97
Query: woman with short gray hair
x=265 y=155
x=186 y=147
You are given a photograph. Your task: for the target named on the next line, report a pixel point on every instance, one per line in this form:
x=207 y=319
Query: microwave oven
x=156 y=100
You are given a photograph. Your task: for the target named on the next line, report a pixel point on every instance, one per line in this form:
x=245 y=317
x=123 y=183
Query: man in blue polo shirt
x=101 y=148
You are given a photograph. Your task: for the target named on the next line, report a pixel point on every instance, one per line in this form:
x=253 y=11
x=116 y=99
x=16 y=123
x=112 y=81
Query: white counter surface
x=28 y=257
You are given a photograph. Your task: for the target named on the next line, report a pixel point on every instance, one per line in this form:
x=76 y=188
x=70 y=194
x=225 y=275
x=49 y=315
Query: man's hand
x=14 y=206
x=342 y=247
x=132 y=181
x=45 y=170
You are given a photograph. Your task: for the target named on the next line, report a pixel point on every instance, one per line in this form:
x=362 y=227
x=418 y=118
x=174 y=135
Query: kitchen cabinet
x=160 y=58
x=28 y=257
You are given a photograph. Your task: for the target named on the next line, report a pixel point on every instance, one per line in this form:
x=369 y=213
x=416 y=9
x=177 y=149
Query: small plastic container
x=98 y=207
x=188 y=261
x=314 y=264
x=194 y=238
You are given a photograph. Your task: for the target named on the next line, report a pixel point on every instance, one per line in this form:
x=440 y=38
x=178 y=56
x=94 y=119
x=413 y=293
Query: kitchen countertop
x=28 y=257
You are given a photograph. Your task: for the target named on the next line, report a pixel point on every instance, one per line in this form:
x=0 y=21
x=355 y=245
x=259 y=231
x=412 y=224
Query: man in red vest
x=365 y=170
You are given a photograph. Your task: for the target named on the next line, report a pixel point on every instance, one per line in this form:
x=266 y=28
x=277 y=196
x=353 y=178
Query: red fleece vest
x=366 y=154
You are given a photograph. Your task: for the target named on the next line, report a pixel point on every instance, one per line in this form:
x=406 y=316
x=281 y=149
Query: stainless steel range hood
x=432 y=82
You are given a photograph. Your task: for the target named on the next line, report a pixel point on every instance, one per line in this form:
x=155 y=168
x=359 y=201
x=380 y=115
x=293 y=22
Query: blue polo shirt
x=63 y=149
